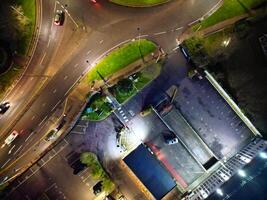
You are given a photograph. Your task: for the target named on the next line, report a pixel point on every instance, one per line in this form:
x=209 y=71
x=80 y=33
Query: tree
x=125 y=86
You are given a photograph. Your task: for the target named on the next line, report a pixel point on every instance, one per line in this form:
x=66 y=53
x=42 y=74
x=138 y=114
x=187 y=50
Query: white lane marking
x=72 y=85
x=17 y=150
x=48 y=41
x=141 y=36
x=62 y=7
x=160 y=33
x=56 y=105
x=29 y=136
x=75 y=65
x=72 y=19
x=65 y=77
x=33 y=117
x=54 y=91
x=179 y=28
x=43 y=105
x=195 y=21
x=43 y=58
x=175 y=48
x=88 y=52
x=5 y=163
x=11 y=149
x=42 y=121
x=31 y=78
x=55 y=6
x=57 y=2
x=101 y=41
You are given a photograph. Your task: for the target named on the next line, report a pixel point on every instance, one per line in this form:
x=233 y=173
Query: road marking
x=55 y=6
x=43 y=105
x=174 y=49
x=33 y=117
x=31 y=78
x=141 y=36
x=29 y=136
x=50 y=187
x=17 y=150
x=62 y=7
x=48 y=41
x=179 y=28
x=101 y=41
x=160 y=33
x=75 y=65
x=191 y=23
x=42 y=121
x=56 y=105
x=11 y=149
x=88 y=52
x=73 y=85
x=5 y=163
x=65 y=77
x=72 y=18
x=43 y=58
x=54 y=91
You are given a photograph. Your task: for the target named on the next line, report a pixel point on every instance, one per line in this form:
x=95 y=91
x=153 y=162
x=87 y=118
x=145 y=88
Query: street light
x=241 y=173
x=139 y=37
x=219 y=191
x=263 y=155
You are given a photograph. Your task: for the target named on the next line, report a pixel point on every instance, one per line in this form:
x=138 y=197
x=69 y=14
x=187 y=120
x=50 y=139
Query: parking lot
x=212 y=118
x=175 y=158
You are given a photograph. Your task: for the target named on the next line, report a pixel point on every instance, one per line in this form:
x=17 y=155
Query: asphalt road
x=64 y=54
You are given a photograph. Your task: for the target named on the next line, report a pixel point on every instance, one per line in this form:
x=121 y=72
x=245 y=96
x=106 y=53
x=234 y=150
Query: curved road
x=62 y=55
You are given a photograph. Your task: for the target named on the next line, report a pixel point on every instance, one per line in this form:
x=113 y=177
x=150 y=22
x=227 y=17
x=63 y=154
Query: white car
x=11 y=137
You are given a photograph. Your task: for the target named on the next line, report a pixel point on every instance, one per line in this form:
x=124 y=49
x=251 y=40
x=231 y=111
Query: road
x=64 y=54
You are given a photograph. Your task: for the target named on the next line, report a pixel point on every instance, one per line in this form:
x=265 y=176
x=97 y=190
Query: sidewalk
x=188 y=33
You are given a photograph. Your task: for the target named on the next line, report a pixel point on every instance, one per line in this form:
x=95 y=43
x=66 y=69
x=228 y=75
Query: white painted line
x=29 y=136
x=48 y=41
x=43 y=58
x=54 y=91
x=42 y=121
x=65 y=77
x=160 y=33
x=75 y=65
x=72 y=85
x=88 y=52
x=175 y=48
x=17 y=150
x=57 y=2
x=177 y=29
x=101 y=41
x=11 y=149
x=55 y=6
x=56 y=105
x=31 y=78
x=5 y=163
x=33 y=117
x=141 y=36
x=62 y=7
x=194 y=22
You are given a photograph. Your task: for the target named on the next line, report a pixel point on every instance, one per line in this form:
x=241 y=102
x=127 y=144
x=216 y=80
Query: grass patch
x=139 y=3
x=120 y=58
x=229 y=9
x=28 y=8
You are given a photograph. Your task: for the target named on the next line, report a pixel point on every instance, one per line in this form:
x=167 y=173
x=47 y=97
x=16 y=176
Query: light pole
x=139 y=36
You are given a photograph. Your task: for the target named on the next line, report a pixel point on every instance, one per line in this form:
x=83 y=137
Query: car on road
x=11 y=137
x=51 y=135
x=4 y=107
x=170 y=139
x=59 y=18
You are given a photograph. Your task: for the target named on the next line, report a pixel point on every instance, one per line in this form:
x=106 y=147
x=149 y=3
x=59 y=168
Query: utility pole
x=139 y=37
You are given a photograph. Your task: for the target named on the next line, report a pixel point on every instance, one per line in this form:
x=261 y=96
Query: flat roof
x=150 y=172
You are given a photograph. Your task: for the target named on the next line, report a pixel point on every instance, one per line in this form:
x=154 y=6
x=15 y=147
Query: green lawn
x=120 y=58
x=139 y=3
x=28 y=7
x=229 y=9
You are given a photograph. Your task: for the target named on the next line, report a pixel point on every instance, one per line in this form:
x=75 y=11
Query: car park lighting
x=219 y=192
x=241 y=173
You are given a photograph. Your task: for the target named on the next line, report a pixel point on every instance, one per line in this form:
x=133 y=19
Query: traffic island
x=120 y=75
x=139 y=3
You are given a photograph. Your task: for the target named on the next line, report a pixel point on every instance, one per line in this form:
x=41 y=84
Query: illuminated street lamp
x=263 y=155
x=241 y=173
x=219 y=191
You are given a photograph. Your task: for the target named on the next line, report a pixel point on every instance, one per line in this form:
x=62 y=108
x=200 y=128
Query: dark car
x=4 y=107
x=98 y=187
x=59 y=18
x=78 y=167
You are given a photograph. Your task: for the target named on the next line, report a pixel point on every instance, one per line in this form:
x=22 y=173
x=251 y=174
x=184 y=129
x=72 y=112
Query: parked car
x=171 y=139
x=78 y=167
x=59 y=18
x=11 y=137
x=51 y=135
x=4 y=107
x=98 y=188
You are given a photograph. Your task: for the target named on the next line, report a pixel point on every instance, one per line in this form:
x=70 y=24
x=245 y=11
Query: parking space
x=176 y=158
x=213 y=119
x=54 y=192
x=188 y=136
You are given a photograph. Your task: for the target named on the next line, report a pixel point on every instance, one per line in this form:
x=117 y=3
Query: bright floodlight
x=219 y=192
x=263 y=155
x=241 y=173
